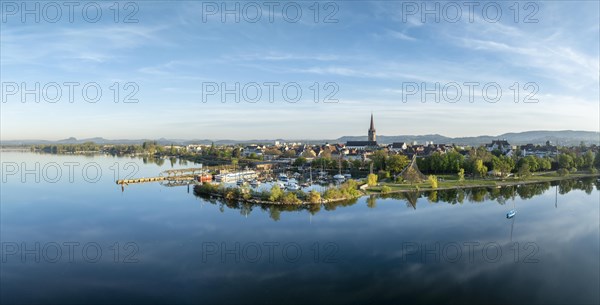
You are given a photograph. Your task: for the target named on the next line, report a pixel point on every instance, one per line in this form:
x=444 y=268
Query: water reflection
x=501 y=195
x=548 y=255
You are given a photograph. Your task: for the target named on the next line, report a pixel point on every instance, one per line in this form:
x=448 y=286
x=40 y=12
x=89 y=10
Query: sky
x=296 y=69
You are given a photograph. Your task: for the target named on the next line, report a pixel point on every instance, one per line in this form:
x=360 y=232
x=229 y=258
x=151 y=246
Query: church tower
x=372 y=136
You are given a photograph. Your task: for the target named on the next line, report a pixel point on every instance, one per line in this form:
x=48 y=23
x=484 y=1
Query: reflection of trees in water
x=330 y=206
x=372 y=201
x=529 y=190
x=152 y=159
x=432 y=196
x=586 y=185
x=454 y=196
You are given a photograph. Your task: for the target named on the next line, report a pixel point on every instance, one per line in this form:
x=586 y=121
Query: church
x=363 y=145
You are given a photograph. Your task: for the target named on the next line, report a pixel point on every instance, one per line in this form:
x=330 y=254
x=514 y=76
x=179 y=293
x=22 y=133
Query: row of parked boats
x=292 y=184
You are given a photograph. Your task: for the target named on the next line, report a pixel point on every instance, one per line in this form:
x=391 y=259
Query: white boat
x=292 y=186
x=512 y=212
x=339 y=178
x=283 y=177
x=347 y=176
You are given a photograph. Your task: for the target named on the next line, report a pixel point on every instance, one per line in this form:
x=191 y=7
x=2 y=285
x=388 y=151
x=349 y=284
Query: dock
x=185 y=174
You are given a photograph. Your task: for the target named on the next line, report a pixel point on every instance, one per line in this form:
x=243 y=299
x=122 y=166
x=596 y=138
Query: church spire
x=372 y=136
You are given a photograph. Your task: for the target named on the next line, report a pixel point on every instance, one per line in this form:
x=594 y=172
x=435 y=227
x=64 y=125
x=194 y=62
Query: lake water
x=74 y=236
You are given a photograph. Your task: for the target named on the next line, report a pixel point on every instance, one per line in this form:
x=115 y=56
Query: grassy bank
x=447 y=182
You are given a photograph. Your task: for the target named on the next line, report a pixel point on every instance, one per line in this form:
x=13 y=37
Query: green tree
x=562 y=172
x=503 y=164
x=433 y=181
x=397 y=163
x=236 y=153
x=379 y=159
x=545 y=164
x=588 y=159
x=524 y=170
x=299 y=161
x=480 y=168
x=276 y=193
x=372 y=179
x=437 y=162
x=565 y=161
x=461 y=175
x=356 y=164
x=454 y=161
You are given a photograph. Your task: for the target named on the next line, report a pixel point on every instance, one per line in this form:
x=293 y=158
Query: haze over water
x=151 y=243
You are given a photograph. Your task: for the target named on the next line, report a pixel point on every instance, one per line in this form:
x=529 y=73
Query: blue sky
x=370 y=54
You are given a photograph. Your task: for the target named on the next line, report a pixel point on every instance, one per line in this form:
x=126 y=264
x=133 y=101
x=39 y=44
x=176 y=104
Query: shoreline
x=367 y=192
x=266 y=202
x=497 y=183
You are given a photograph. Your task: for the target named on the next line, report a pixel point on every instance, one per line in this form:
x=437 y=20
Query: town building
x=371 y=143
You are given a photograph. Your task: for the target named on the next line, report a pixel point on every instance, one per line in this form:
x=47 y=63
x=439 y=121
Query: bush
x=433 y=180
x=562 y=172
x=265 y=195
x=332 y=193
x=206 y=189
x=290 y=198
x=231 y=193
x=276 y=193
x=349 y=189
x=385 y=189
x=301 y=195
x=314 y=196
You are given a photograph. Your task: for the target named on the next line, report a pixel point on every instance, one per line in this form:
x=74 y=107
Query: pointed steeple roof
x=372 y=124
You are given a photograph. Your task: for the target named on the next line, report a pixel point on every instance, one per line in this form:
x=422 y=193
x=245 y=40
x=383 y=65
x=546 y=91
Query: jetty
x=173 y=175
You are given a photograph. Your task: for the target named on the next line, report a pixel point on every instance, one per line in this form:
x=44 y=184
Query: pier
x=185 y=174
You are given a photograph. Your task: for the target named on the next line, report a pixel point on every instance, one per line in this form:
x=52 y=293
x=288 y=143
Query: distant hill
x=562 y=137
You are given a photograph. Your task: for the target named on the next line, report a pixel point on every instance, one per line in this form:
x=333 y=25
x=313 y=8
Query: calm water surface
x=78 y=237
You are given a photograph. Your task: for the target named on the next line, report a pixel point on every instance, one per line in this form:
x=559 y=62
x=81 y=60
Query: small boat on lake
x=511 y=213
